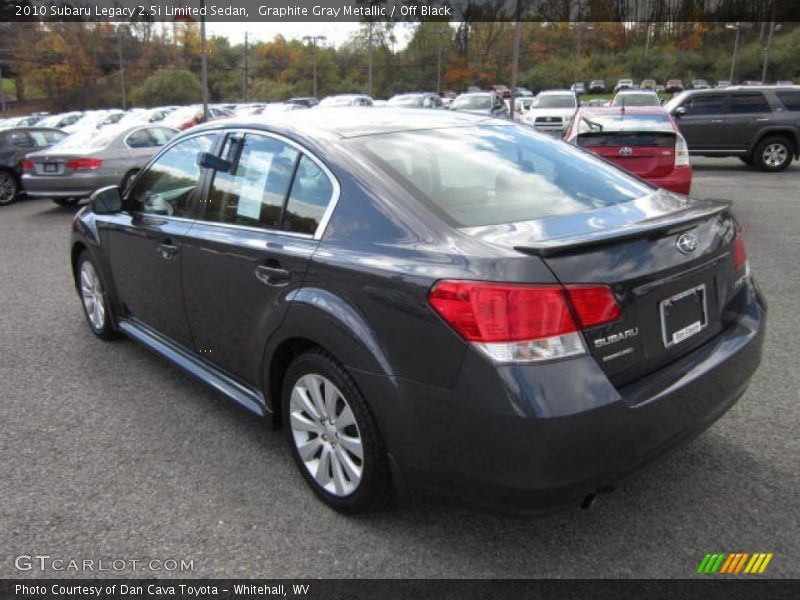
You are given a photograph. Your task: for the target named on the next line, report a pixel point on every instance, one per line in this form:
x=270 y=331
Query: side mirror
x=207 y=160
x=107 y=200
x=679 y=112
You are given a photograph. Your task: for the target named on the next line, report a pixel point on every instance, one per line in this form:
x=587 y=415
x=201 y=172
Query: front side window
x=254 y=191
x=170 y=184
x=712 y=104
x=490 y=175
x=748 y=103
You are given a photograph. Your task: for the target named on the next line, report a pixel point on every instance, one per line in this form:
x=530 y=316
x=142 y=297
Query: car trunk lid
x=667 y=259
x=647 y=154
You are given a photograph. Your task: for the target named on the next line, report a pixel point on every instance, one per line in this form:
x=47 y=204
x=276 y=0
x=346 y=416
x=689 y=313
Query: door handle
x=274 y=276
x=762 y=119
x=716 y=121
x=167 y=249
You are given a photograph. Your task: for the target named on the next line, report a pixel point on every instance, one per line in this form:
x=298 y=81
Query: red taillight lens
x=494 y=312
x=81 y=164
x=27 y=165
x=498 y=313
x=594 y=304
x=739 y=251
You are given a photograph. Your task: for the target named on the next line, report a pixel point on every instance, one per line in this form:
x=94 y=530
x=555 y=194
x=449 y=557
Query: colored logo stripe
x=733 y=563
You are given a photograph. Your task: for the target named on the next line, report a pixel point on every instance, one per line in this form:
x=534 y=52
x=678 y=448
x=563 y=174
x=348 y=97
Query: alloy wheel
x=774 y=155
x=93 y=297
x=8 y=188
x=326 y=434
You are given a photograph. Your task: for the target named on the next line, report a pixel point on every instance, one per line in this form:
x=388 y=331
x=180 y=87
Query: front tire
x=773 y=154
x=66 y=202
x=333 y=436
x=94 y=299
x=9 y=188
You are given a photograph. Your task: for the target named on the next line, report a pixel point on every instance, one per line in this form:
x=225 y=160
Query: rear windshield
x=636 y=100
x=84 y=140
x=555 y=101
x=647 y=139
x=406 y=101
x=488 y=175
x=619 y=122
x=473 y=102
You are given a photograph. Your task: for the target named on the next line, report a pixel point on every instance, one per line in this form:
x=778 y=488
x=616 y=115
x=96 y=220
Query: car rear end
x=602 y=322
x=74 y=167
x=646 y=143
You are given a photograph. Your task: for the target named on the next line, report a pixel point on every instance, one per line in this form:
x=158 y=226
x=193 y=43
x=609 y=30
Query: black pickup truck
x=758 y=124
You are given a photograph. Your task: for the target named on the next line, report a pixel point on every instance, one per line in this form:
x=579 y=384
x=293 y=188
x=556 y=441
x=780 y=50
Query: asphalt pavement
x=109 y=453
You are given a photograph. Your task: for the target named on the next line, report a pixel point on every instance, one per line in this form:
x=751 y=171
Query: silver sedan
x=87 y=161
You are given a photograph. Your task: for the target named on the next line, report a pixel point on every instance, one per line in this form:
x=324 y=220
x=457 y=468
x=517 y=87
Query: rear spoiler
x=657 y=226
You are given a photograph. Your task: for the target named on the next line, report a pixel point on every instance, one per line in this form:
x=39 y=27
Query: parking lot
x=111 y=453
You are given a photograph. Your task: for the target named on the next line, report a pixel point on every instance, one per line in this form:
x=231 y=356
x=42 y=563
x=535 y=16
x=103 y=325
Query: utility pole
x=203 y=65
x=772 y=28
x=2 y=91
x=515 y=62
x=120 y=31
x=440 y=34
x=369 y=57
x=244 y=73
x=313 y=39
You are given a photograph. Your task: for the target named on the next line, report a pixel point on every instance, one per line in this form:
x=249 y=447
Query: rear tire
x=9 y=188
x=66 y=202
x=94 y=298
x=333 y=436
x=773 y=153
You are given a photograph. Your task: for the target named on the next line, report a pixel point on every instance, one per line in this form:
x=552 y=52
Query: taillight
x=681 y=152
x=27 y=165
x=739 y=251
x=84 y=164
x=523 y=323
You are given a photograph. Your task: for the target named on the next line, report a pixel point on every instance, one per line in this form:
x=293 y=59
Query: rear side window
x=18 y=138
x=254 y=192
x=46 y=138
x=748 y=103
x=473 y=176
x=310 y=195
x=791 y=100
x=139 y=139
x=712 y=104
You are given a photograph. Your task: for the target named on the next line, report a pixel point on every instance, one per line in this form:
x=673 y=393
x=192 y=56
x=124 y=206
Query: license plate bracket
x=683 y=315
x=50 y=167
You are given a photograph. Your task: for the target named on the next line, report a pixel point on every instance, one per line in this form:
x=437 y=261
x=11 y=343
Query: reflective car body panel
x=232 y=302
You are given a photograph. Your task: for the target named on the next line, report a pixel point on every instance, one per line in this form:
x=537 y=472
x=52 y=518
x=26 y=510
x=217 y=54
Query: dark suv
x=760 y=125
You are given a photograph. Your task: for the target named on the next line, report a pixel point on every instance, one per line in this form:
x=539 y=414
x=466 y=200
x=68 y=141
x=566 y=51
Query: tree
x=168 y=86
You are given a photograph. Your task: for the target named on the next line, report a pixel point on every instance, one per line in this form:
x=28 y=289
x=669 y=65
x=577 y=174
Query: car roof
x=348 y=122
x=33 y=128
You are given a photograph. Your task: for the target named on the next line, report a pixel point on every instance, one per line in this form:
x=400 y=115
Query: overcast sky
x=336 y=33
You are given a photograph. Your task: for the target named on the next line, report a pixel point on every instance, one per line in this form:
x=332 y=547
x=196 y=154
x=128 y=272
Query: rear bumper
x=533 y=439
x=76 y=184
x=679 y=181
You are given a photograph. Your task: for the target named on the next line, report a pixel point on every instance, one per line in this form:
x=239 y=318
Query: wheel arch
x=778 y=131
x=319 y=319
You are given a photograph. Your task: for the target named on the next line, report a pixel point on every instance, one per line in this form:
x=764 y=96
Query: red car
x=644 y=140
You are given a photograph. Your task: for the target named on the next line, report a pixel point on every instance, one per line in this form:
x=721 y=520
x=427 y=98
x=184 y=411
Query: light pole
x=203 y=65
x=121 y=29
x=515 y=61
x=2 y=91
x=313 y=39
x=772 y=28
x=369 y=58
x=244 y=71
x=580 y=26
x=738 y=27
